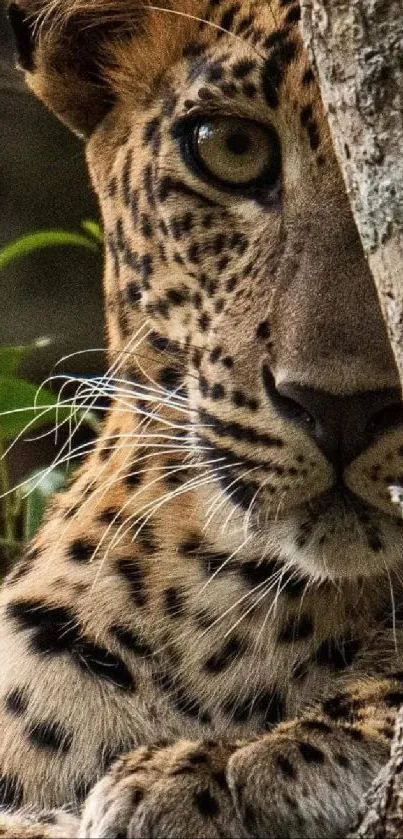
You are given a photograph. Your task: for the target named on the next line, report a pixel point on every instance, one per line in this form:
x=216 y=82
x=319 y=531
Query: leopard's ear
x=63 y=47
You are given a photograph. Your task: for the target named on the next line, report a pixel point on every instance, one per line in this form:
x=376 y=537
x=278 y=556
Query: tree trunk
x=356 y=48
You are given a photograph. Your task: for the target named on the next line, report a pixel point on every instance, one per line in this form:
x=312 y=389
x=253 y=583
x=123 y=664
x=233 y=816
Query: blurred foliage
x=25 y=408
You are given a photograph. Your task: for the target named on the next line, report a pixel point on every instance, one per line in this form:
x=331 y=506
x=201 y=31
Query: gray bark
x=356 y=48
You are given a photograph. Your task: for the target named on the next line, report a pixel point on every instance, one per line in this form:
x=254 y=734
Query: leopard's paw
x=176 y=791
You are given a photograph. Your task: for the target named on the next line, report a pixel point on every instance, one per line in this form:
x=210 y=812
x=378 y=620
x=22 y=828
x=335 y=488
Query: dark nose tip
x=342 y=426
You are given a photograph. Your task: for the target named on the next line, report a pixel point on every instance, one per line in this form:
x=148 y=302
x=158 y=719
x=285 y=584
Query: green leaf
x=43 y=239
x=23 y=404
x=11 y=358
x=41 y=486
x=93 y=229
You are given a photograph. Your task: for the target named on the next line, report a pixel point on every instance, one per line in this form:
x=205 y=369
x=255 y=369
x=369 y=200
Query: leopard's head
x=228 y=227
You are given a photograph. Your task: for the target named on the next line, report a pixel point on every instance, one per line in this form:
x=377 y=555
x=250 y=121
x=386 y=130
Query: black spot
x=306 y=114
x=313 y=134
x=285 y=766
x=17 y=701
x=146 y=268
x=170 y=378
x=393 y=698
x=177 y=296
x=173 y=602
x=297 y=629
x=338 y=706
x=204 y=322
x=274 y=69
x=130 y=640
x=133 y=479
x=56 y=631
x=11 y=791
x=98 y=661
x=243 y=68
x=354 y=733
x=81 y=550
x=198 y=758
x=147 y=539
x=308 y=77
x=221 y=659
x=55 y=627
x=263 y=330
x=133 y=293
x=151 y=130
x=215 y=355
x=192 y=545
x=204 y=386
x=214 y=72
x=397 y=675
x=254 y=572
x=293 y=16
x=51 y=736
x=109 y=516
x=342 y=761
x=148 y=184
x=193 y=50
x=228 y=89
x=244 y=24
x=239 y=399
x=217 y=392
x=375 y=543
x=337 y=653
x=126 y=175
x=132 y=572
x=206 y=804
x=270 y=705
x=243 y=494
x=146 y=226
x=293 y=586
x=310 y=753
x=316 y=725
x=136 y=798
x=120 y=234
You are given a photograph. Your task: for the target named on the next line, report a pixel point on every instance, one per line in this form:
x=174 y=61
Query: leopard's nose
x=342 y=426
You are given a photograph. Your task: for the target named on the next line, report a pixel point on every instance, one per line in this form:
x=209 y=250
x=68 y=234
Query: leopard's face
x=228 y=226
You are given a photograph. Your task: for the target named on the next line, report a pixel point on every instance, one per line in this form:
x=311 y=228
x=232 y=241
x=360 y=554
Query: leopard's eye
x=236 y=153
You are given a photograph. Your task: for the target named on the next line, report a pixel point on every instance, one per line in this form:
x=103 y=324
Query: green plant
x=26 y=409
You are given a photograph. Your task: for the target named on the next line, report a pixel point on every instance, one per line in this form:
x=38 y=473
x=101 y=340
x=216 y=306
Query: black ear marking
x=23 y=36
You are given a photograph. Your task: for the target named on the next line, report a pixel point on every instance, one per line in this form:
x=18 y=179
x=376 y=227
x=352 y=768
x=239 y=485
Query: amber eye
x=236 y=153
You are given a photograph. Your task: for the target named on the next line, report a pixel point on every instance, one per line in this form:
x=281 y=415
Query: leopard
x=205 y=636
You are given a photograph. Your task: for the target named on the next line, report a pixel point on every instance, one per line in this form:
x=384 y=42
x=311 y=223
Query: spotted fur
x=205 y=637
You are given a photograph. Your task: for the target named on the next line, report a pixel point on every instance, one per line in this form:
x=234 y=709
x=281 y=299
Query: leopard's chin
x=336 y=536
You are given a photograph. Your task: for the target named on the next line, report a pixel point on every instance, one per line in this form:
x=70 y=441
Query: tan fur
x=206 y=601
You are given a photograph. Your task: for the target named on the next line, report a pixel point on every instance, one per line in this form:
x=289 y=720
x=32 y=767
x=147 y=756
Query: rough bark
x=383 y=809
x=356 y=47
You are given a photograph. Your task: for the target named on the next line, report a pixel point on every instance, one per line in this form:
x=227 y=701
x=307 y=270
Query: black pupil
x=238 y=142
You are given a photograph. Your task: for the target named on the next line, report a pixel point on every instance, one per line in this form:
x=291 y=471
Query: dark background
x=43 y=183
x=56 y=293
